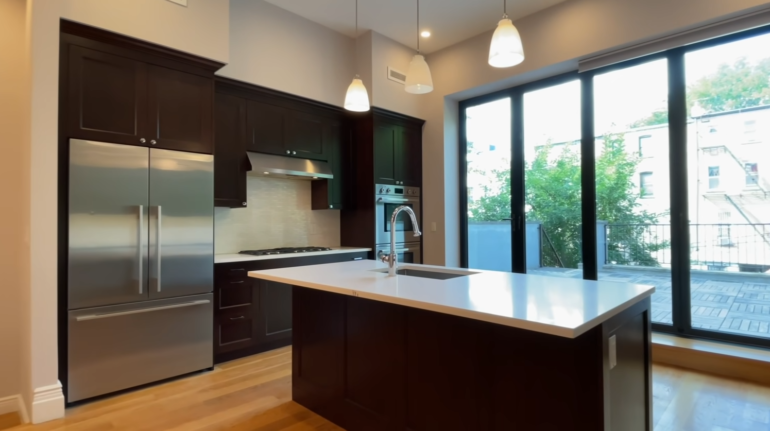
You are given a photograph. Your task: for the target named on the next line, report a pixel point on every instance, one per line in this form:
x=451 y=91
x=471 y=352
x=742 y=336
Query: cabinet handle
x=244 y=204
x=153 y=142
x=288 y=151
x=293 y=153
x=238 y=318
x=142 y=141
x=331 y=206
x=236 y=282
x=238 y=269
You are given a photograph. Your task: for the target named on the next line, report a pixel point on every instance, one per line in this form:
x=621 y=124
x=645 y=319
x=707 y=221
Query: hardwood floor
x=254 y=393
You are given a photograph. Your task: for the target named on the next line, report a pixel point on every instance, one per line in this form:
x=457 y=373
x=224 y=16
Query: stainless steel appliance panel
x=122 y=346
x=108 y=197
x=387 y=199
x=181 y=223
x=407 y=252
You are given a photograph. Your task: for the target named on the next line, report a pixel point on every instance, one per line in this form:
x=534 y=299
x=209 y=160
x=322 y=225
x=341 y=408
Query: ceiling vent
x=395 y=75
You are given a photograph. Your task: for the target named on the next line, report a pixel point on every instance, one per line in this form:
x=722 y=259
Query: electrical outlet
x=613 y=352
x=433 y=227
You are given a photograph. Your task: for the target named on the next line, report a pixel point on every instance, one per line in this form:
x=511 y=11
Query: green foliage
x=656 y=118
x=737 y=86
x=553 y=192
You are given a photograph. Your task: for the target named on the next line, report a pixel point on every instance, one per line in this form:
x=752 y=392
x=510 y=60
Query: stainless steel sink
x=446 y=274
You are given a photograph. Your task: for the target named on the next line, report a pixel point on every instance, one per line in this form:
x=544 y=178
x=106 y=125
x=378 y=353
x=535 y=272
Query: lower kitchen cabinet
x=251 y=315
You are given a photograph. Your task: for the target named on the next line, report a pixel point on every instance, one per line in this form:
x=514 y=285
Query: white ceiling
x=449 y=21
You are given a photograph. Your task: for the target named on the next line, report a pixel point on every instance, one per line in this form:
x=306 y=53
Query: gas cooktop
x=284 y=250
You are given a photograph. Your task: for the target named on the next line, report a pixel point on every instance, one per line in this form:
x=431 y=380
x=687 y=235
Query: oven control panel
x=390 y=190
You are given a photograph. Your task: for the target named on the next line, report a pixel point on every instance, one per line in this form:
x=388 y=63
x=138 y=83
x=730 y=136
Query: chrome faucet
x=392 y=258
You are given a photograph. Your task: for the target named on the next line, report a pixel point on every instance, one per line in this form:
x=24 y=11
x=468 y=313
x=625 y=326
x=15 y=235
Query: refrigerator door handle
x=158 y=238
x=143 y=310
x=139 y=246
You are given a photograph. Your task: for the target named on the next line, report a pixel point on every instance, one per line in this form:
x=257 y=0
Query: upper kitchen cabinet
x=180 y=109
x=267 y=128
x=107 y=97
x=397 y=152
x=126 y=91
x=330 y=194
x=230 y=161
x=306 y=135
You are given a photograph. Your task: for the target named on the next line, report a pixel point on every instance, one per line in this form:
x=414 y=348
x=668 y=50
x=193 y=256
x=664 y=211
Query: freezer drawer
x=122 y=346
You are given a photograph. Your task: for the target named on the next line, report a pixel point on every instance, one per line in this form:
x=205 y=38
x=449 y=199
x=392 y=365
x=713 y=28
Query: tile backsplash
x=278 y=215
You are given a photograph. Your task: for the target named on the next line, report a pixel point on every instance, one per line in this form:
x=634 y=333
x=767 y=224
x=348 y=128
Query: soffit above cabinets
x=449 y=21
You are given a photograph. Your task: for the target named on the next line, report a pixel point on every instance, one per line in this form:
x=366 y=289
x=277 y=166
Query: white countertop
x=552 y=305
x=235 y=257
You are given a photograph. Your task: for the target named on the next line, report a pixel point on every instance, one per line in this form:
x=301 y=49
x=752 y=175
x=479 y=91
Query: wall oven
x=407 y=253
x=387 y=199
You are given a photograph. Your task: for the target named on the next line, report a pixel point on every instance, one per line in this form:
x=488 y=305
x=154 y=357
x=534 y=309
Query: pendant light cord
x=505 y=9
x=418 y=26
x=355 y=47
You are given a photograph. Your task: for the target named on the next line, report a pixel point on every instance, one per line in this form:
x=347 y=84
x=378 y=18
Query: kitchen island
x=449 y=349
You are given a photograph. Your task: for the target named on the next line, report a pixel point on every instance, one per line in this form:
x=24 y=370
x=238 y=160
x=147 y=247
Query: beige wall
x=389 y=94
x=274 y=48
x=278 y=215
x=14 y=187
x=201 y=28
x=554 y=40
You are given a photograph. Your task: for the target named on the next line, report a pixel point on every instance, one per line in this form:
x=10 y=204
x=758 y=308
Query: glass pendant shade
x=418 y=79
x=357 y=98
x=506 y=49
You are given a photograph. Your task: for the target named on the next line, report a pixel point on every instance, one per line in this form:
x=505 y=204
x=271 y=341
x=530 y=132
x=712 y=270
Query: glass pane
x=632 y=180
x=728 y=95
x=488 y=134
x=552 y=178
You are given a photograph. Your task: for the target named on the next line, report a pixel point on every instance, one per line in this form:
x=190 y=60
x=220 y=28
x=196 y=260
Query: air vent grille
x=397 y=76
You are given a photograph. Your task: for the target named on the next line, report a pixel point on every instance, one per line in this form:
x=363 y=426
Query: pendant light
x=357 y=98
x=506 y=49
x=418 y=79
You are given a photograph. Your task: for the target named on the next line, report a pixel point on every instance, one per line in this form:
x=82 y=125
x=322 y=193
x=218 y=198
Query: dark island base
x=369 y=365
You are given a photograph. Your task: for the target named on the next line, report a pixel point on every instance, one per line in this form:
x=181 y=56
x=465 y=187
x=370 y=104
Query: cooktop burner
x=284 y=250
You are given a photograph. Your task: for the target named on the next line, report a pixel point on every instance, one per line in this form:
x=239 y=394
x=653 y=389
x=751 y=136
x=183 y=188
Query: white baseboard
x=47 y=403
x=14 y=403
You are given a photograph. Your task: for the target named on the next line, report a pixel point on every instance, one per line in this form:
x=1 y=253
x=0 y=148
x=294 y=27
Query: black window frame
x=678 y=182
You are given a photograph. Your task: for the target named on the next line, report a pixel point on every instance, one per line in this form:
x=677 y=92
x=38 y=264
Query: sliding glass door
x=633 y=204
x=653 y=171
x=552 y=185
x=488 y=182
x=728 y=100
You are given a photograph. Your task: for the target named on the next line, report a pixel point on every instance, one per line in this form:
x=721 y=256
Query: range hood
x=267 y=165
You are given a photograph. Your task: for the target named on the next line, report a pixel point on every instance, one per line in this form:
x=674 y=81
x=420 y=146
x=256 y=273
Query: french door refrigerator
x=140 y=266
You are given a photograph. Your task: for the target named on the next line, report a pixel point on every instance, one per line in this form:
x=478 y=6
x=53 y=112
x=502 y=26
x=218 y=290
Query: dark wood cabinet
x=127 y=101
x=275 y=311
x=179 y=110
x=369 y=365
x=266 y=128
x=385 y=153
x=106 y=97
x=306 y=135
x=331 y=194
x=230 y=161
x=251 y=315
x=397 y=153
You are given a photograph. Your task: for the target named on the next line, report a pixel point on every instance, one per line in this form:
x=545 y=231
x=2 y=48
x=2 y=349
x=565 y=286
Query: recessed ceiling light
x=425 y=33
x=267 y=173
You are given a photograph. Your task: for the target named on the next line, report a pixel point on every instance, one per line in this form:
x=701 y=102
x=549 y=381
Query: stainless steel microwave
x=387 y=199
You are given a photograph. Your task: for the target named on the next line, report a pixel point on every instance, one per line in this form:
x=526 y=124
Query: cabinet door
x=329 y=194
x=180 y=110
x=107 y=97
x=275 y=311
x=306 y=135
x=230 y=160
x=266 y=128
x=384 y=152
x=408 y=157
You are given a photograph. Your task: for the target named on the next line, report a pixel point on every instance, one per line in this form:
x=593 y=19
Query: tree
x=656 y=118
x=553 y=192
x=737 y=86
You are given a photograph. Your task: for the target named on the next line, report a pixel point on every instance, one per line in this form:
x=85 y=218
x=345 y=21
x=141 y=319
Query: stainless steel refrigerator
x=140 y=266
